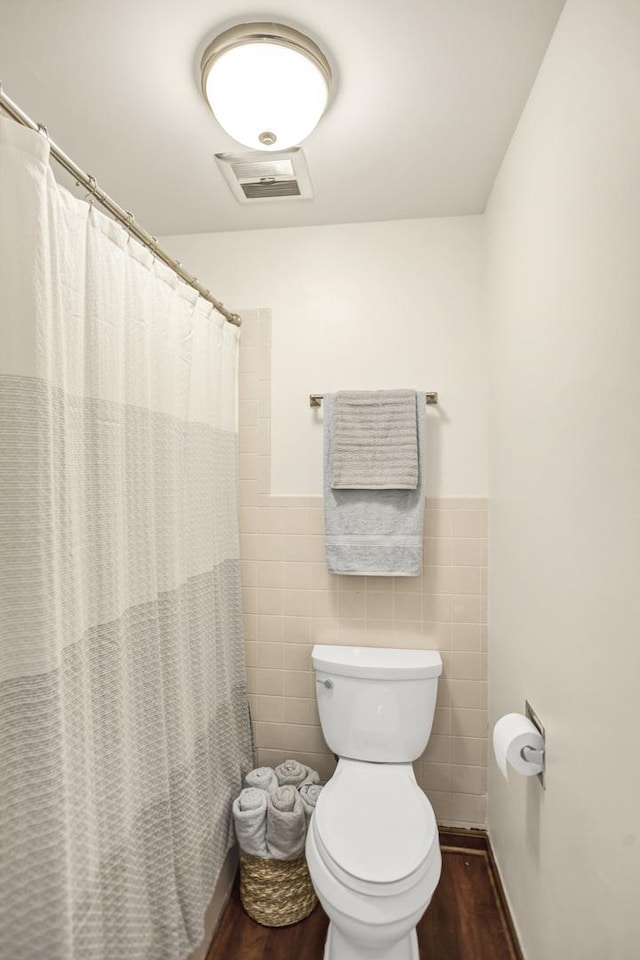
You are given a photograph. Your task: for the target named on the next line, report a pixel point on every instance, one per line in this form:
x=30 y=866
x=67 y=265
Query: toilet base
x=338 y=948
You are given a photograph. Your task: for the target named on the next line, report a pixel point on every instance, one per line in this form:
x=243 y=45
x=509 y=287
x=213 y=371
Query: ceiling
x=428 y=94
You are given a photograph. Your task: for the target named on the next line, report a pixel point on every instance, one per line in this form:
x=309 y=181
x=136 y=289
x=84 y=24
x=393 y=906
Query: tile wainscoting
x=291 y=602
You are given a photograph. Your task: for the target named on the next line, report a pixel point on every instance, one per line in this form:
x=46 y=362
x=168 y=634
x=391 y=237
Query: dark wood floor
x=465 y=921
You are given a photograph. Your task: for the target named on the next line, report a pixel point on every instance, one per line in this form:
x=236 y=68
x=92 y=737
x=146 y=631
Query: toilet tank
x=376 y=704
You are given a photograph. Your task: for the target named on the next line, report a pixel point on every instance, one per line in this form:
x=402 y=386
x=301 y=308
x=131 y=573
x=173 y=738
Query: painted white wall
x=564 y=307
x=363 y=306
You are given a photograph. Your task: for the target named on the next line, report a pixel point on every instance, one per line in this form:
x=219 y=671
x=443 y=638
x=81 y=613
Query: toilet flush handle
x=326 y=683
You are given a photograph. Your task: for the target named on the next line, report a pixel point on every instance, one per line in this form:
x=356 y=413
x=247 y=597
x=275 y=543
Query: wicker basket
x=276 y=892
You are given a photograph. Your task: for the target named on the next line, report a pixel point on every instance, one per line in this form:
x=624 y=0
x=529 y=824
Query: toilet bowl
x=374 y=859
x=372 y=847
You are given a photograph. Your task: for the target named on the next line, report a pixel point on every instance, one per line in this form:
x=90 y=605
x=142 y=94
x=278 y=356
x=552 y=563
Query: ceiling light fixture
x=267 y=84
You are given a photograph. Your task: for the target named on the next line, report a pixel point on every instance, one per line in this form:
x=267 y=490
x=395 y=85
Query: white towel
x=309 y=793
x=263 y=778
x=294 y=773
x=375 y=533
x=286 y=823
x=250 y=821
x=375 y=441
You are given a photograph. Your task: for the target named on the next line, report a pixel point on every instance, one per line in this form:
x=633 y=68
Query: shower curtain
x=124 y=730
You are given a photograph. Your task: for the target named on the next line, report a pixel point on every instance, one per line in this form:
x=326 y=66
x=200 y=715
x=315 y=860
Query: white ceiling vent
x=278 y=175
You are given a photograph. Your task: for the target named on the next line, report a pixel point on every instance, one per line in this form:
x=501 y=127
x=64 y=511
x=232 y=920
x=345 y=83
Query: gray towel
x=250 y=821
x=286 y=823
x=263 y=778
x=309 y=793
x=375 y=442
x=295 y=773
x=373 y=532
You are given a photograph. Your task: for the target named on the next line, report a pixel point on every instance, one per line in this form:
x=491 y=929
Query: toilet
x=372 y=846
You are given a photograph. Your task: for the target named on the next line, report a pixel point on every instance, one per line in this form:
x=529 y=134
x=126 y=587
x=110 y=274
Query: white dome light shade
x=267 y=88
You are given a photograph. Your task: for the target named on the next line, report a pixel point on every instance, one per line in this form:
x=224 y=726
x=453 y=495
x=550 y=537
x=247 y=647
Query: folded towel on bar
x=309 y=793
x=294 y=773
x=376 y=533
x=264 y=778
x=286 y=823
x=375 y=442
x=250 y=821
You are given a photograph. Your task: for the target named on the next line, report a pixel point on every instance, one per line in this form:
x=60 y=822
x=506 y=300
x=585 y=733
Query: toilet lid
x=375 y=822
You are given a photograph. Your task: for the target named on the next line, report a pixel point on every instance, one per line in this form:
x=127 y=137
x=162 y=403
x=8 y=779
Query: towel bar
x=315 y=399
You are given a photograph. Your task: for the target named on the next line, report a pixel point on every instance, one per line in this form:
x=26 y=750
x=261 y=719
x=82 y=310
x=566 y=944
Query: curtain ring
x=130 y=220
x=90 y=196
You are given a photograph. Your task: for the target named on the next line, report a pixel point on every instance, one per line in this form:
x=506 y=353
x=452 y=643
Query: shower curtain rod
x=125 y=217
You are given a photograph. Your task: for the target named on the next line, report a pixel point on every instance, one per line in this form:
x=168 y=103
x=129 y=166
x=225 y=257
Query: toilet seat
x=374 y=828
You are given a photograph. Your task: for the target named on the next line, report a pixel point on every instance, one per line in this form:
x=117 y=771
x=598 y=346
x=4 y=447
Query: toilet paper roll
x=510 y=734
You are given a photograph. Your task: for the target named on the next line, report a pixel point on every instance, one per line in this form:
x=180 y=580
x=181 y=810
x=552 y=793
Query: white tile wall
x=292 y=602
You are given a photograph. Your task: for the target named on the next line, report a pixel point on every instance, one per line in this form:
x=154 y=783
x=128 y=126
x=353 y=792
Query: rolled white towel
x=295 y=773
x=263 y=778
x=309 y=793
x=286 y=823
x=312 y=777
x=250 y=821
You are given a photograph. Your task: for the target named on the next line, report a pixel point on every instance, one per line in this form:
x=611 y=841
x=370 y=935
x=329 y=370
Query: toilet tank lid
x=377 y=663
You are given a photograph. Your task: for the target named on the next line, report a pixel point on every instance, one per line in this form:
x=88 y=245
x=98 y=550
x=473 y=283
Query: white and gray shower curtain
x=124 y=730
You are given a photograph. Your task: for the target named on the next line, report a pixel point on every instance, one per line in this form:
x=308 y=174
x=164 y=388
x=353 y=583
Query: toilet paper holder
x=530 y=754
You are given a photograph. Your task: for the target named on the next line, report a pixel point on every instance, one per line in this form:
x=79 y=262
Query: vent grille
x=270 y=188
x=262 y=168
x=254 y=177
